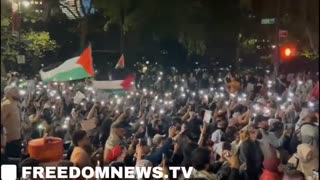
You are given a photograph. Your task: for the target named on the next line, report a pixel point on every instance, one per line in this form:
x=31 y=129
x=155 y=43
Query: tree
x=300 y=18
x=36 y=44
x=83 y=10
x=178 y=19
x=303 y=24
x=39 y=43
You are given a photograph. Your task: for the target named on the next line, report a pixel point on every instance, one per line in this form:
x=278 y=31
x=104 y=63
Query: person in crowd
x=252 y=132
x=216 y=137
x=294 y=175
x=304 y=160
x=309 y=133
x=80 y=156
x=156 y=156
x=3 y=145
x=223 y=163
x=251 y=156
x=11 y=120
x=233 y=85
x=67 y=164
x=187 y=150
x=117 y=153
x=200 y=159
x=117 y=133
x=29 y=162
x=272 y=169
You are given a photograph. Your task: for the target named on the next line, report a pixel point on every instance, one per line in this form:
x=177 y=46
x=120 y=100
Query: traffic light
x=288 y=52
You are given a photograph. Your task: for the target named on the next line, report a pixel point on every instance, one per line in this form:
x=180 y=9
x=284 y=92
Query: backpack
x=290 y=166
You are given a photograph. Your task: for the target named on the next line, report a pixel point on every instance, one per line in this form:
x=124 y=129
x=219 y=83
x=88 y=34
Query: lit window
x=37 y=10
x=40 y=2
x=41 y=10
x=36 y=2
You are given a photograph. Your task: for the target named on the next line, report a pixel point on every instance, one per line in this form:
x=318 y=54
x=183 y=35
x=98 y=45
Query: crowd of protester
x=261 y=126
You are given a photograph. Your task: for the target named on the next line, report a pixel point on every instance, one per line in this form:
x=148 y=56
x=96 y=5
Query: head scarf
x=10 y=91
x=305 y=164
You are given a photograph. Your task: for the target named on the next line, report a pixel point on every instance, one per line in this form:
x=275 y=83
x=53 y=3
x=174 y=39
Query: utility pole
x=277 y=59
x=20 y=57
x=122 y=30
x=19 y=30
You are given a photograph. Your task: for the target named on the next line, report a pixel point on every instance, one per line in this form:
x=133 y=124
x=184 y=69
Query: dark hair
x=59 y=132
x=78 y=136
x=276 y=126
x=105 y=130
x=260 y=118
x=65 y=163
x=295 y=174
x=314 y=118
x=226 y=146
x=189 y=148
x=117 y=165
x=200 y=158
x=231 y=130
x=30 y=162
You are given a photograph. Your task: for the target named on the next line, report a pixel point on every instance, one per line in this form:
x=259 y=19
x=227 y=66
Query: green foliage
x=180 y=19
x=248 y=46
x=35 y=43
x=8 y=41
x=39 y=43
x=5 y=22
x=310 y=54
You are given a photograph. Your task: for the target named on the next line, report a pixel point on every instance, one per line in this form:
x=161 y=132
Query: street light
x=26 y=3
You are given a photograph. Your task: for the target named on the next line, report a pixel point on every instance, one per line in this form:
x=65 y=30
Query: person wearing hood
x=251 y=154
x=11 y=120
x=305 y=112
x=304 y=160
x=309 y=133
x=272 y=169
x=296 y=138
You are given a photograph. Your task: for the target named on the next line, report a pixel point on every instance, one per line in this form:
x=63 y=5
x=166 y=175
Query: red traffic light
x=287 y=52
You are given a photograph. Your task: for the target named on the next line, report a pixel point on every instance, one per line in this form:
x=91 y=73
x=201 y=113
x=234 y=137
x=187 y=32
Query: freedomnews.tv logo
x=9 y=172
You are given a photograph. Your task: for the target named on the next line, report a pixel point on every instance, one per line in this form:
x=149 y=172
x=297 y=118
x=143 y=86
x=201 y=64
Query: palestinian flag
x=118 y=85
x=73 y=69
x=120 y=64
